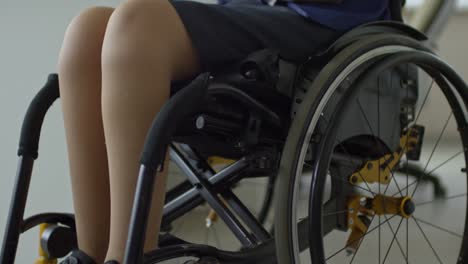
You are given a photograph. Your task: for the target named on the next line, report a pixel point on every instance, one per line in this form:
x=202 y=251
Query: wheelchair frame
x=206 y=184
x=152 y=156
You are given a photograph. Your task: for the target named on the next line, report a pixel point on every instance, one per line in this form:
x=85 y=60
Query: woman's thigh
x=224 y=34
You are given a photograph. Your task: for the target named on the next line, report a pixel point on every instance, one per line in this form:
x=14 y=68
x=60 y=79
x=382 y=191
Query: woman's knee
x=83 y=39
x=148 y=32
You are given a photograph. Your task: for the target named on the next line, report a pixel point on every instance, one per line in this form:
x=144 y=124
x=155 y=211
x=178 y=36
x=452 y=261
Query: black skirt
x=224 y=34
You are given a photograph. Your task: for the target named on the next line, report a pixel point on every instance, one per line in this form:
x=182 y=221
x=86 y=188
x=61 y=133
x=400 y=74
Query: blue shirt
x=341 y=17
x=344 y=16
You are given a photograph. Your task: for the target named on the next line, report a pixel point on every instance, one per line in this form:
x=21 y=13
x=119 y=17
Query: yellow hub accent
x=216 y=161
x=360 y=208
x=43 y=258
x=379 y=205
x=383 y=205
x=357 y=222
x=379 y=170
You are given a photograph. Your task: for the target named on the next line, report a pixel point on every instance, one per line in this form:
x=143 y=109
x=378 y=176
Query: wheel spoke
x=335 y=213
x=380 y=242
x=359 y=172
x=340 y=179
x=361 y=109
x=436 y=168
x=439 y=228
x=427 y=240
x=445 y=199
x=379 y=80
x=359 y=246
x=415 y=122
x=432 y=153
x=407 y=174
x=367 y=233
x=393 y=239
x=445 y=162
x=349 y=158
x=424 y=101
x=407 y=240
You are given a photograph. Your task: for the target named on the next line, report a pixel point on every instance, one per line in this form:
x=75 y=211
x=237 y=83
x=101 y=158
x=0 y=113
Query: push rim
x=431 y=62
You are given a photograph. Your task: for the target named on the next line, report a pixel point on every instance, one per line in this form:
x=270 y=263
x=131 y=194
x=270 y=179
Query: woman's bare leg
x=80 y=91
x=145 y=47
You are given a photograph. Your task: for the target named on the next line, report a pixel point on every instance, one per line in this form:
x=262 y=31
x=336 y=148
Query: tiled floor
x=448 y=214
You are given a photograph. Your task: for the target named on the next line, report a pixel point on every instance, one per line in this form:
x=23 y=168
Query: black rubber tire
x=297 y=134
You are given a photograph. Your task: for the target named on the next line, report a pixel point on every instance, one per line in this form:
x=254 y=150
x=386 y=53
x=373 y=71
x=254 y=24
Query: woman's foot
x=78 y=257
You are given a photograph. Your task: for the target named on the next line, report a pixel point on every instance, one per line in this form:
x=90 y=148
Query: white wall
x=414 y=3
x=30 y=37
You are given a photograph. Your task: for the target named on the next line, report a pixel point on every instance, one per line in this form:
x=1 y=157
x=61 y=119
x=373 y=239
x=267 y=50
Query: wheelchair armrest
x=31 y=129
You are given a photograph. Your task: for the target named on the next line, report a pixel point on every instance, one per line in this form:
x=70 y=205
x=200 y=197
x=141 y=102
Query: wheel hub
x=387 y=205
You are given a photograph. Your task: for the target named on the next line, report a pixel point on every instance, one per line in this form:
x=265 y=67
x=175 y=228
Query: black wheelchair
x=335 y=139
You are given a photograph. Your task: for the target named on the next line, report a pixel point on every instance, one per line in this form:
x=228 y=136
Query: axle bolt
x=409 y=207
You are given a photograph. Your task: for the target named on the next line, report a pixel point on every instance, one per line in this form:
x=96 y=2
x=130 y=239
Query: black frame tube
x=140 y=213
x=14 y=225
x=28 y=152
x=181 y=106
x=192 y=198
x=261 y=254
x=207 y=191
x=260 y=233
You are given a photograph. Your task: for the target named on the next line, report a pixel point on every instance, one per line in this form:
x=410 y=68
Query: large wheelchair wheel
x=343 y=194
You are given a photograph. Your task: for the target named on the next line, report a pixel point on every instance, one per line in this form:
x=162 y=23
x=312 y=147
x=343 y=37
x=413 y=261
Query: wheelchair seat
x=263 y=90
